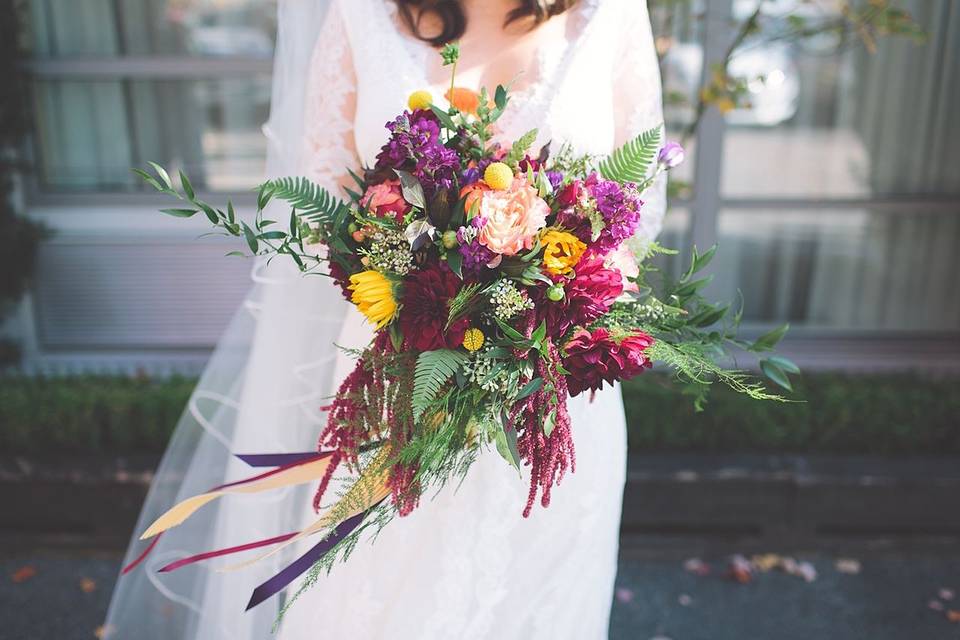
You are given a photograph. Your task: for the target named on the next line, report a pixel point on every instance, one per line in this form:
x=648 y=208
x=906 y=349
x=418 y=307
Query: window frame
x=124 y=68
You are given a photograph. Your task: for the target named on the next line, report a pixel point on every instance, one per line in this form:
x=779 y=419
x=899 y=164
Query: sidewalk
x=657 y=598
x=64 y=526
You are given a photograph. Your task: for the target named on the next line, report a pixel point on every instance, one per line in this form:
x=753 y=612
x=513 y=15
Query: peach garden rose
x=512 y=218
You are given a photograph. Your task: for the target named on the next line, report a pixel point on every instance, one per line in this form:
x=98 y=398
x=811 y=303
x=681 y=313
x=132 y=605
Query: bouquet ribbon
x=292 y=468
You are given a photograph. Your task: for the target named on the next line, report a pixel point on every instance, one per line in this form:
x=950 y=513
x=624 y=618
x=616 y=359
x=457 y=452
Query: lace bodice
x=595 y=89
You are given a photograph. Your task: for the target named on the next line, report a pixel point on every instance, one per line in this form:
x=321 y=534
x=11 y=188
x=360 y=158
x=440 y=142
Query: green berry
x=555 y=293
x=352 y=227
x=449 y=240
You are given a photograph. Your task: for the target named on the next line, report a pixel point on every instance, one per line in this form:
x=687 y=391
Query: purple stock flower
x=437 y=167
x=671 y=156
x=471 y=175
x=475 y=257
x=556 y=179
x=619 y=206
x=409 y=134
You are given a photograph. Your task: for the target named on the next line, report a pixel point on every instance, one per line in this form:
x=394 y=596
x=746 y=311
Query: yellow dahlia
x=561 y=251
x=373 y=293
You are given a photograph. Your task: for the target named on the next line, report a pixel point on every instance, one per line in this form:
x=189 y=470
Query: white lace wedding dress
x=465 y=564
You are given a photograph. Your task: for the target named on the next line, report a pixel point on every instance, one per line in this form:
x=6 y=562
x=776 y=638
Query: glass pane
x=842 y=270
x=854 y=124
x=678 y=28
x=89 y=134
x=152 y=27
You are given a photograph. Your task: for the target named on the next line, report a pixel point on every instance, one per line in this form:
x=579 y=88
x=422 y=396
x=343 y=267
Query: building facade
x=835 y=199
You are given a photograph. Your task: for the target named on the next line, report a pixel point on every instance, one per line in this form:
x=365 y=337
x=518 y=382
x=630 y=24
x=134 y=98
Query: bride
x=465 y=564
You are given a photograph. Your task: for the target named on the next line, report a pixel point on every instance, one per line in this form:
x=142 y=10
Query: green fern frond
x=434 y=369
x=313 y=202
x=631 y=162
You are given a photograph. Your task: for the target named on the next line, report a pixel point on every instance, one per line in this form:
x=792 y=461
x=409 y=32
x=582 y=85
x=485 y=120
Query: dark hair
x=453 y=21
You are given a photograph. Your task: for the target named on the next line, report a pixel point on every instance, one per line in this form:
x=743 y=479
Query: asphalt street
x=661 y=595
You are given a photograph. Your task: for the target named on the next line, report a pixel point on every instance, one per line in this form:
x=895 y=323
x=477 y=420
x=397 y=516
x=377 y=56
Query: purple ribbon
x=278 y=582
x=279 y=459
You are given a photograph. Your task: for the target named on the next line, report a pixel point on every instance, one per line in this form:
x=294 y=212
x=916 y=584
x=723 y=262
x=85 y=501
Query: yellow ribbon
x=298 y=474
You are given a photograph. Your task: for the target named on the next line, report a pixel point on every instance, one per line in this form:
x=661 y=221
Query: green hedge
x=886 y=414
x=89 y=413
x=844 y=414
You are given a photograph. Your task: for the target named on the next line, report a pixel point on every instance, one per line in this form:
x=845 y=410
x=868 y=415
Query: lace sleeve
x=638 y=107
x=329 y=147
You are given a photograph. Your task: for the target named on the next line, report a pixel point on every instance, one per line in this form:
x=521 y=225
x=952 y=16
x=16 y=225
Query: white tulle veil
x=261 y=392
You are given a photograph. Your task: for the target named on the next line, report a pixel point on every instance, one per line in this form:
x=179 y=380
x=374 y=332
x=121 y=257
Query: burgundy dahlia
x=426 y=295
x=589 y=295
x=595 y=357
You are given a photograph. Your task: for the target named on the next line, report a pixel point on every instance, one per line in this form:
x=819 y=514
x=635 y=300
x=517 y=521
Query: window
x=836 y=199
x=120 y=82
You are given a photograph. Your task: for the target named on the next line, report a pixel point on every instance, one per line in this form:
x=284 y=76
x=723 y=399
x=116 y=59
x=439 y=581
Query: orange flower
x=473 y=193
x=463 y=99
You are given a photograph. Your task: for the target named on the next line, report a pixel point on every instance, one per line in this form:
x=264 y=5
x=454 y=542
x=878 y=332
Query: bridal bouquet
x=501 y=282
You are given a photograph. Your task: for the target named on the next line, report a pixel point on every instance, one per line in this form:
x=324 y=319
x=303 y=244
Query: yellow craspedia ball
x=498 y=176
x=472 y=339
x=420 y=100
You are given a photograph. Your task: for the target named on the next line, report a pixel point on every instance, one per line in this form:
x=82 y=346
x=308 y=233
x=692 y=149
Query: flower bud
x=449 y=239
x=555 y=293
x=671 y=156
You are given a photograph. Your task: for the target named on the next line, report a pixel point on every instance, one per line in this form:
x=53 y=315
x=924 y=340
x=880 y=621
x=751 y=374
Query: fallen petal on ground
x=23 y=574
x=624 y=595
x=848 y=566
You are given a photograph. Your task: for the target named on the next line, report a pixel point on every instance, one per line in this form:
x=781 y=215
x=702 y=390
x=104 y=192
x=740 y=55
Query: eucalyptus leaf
x=180 y=213
x=444 y=118
x=251 y=238
x=789 y=366
x=500 y=97
x=506 y=441
x=769 y=340
x=187 y=187
x=412 y=189
x=510 y=332
x=164 y=176
x=776 y=374
x=530 y=388
x=549 y=423
x=146 y=177
x=455 y=262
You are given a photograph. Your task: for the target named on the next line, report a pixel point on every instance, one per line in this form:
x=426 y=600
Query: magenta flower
x=595 y=357
x=590 y=294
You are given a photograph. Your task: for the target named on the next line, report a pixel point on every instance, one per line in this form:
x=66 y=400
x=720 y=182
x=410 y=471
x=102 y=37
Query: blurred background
x=823 y=159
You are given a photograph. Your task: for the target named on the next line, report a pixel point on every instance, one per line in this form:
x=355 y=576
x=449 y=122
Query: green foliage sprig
x=694 y=336
x=315 y=216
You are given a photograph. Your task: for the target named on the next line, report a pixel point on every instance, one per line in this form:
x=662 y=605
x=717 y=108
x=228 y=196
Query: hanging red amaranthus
x=549 y=456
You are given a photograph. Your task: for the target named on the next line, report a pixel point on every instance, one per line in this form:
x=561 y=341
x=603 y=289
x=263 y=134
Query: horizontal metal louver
x=143 y=296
